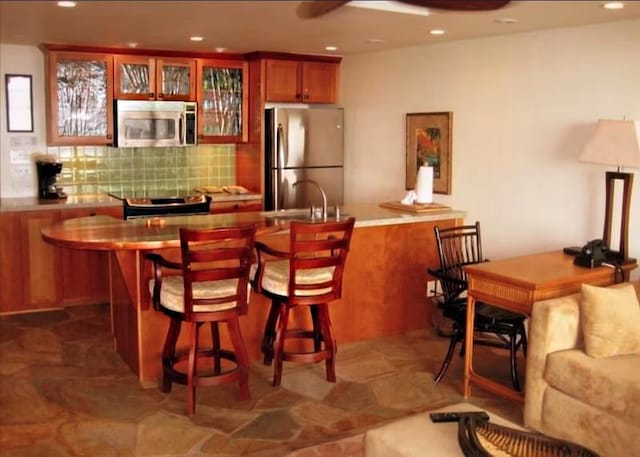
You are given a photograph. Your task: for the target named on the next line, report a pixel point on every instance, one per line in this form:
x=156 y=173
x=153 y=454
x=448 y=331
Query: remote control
x=455 y=416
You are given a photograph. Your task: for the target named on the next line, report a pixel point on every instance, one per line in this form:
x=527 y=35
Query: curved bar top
x=383 y=288
x=108 y=233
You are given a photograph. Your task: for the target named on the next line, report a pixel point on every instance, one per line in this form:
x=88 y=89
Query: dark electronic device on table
x=593 y=254
x=454 y=416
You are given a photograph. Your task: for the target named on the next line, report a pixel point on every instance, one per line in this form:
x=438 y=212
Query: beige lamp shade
x=614 y=142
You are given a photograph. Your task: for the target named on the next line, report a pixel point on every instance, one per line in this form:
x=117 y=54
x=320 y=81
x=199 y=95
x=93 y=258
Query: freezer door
x=308 y=137
x=305 y=194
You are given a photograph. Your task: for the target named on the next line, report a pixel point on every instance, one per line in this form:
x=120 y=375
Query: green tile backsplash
x=144 y=171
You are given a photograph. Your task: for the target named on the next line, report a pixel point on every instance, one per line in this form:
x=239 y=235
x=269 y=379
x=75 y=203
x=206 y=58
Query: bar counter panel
x=384 y=285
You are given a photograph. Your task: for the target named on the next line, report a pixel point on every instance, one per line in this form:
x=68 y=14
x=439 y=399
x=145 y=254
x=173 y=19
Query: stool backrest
x=215 y=255
x=318 y=246
x=457 y=247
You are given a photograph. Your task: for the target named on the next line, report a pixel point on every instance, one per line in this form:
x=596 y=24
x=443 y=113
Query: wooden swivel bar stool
x=212 y=288
x=308 y=274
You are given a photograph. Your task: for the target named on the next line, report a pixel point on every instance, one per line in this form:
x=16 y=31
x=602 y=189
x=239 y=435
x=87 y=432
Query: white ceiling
x=244 y=26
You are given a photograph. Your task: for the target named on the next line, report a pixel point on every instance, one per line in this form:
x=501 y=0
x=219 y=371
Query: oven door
x=150 y=124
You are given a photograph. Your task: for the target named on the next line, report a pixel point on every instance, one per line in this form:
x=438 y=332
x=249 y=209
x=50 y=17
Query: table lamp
x=616 y=142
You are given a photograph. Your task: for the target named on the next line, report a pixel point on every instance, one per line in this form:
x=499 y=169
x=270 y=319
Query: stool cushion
x=276 y=278
x=172 y=293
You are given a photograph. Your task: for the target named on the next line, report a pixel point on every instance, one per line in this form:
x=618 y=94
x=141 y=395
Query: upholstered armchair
x=583 y=369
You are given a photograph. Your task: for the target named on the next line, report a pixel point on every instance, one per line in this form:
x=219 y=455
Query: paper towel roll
x=424 y=185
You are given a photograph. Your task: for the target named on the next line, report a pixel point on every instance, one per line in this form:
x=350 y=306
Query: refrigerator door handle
x=280 y=147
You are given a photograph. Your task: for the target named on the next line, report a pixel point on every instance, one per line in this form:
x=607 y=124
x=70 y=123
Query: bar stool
x=212 y=288
x=308 y=274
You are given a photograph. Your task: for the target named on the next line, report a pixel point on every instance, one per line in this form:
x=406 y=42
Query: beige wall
x=17 y=179
x=523 y=106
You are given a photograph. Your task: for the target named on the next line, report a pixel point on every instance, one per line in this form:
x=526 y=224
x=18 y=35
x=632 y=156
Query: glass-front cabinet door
x=79 y=98
x=223 y=101
x=150 y=78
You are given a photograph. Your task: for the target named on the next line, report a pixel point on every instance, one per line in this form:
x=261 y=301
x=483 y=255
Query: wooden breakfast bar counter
x=384 y=283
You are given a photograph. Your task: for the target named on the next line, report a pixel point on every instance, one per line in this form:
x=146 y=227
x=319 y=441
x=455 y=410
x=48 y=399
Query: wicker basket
x=480 y=438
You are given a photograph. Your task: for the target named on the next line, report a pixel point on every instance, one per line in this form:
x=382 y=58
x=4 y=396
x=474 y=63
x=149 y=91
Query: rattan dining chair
x=458 y=247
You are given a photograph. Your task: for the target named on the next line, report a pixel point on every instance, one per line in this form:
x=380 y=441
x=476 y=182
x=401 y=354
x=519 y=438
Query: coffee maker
x=48 y=171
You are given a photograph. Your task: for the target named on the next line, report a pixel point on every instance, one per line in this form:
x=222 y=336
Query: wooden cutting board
x=415 y=207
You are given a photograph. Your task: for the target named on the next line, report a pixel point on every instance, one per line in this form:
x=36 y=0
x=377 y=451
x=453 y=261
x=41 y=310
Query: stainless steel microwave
x=149 y=123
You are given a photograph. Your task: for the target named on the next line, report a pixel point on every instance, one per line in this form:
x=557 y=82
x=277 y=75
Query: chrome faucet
x=324 y=196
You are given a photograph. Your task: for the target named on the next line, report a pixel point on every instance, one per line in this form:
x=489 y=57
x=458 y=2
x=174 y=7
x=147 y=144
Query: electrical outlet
x=431 y=288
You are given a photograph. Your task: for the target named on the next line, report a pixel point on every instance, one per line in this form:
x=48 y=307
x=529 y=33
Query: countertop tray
x=415 y=207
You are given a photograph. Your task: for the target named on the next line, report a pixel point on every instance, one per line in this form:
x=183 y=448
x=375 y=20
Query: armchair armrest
x=554 y=326
x=265 y=254
x=441 y=275
x=159 y=263
x=263 y=248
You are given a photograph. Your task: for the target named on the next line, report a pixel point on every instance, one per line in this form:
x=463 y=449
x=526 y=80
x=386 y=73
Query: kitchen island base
x=384 y=293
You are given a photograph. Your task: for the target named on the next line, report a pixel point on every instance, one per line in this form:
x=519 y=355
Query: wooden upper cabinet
x=79 y=98
x=301 y=81
x=223 y=101
x=154 y=78
x=319 y=82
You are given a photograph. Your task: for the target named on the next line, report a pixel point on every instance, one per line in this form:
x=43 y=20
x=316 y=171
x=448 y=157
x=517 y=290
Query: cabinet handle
x=109 y=136
x=151 y=95
x=160 y=95
x=306 y=96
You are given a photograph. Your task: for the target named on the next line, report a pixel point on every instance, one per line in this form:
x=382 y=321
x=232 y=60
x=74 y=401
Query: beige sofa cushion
x=610 y=320
x=610 y=383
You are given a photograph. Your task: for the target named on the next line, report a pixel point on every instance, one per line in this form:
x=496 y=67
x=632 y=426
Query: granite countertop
x=106 y=233
x=94 y=201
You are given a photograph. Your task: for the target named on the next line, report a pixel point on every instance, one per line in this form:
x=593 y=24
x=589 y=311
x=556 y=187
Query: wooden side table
x=515 y=284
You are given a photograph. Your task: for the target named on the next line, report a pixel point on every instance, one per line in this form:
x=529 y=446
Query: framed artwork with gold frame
x=428 y=143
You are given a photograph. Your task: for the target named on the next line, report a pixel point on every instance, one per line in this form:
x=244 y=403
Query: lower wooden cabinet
x=85 y=273
x=236 y=206
x=37 y=275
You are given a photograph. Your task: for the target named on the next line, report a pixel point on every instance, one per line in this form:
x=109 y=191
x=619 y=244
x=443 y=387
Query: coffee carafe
x=48 y=170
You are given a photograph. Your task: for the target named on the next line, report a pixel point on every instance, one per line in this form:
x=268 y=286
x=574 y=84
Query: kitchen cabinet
x=37 y=275
x=301 y=81
x=154 y=78
x=85 y=273
x=11 y=261
x=79 y=98
x=41 y=268
x=223 y=101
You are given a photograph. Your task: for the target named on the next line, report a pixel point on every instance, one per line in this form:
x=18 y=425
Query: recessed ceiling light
x=506 y=20
x=196 y=38
x=67 y=4
x=375 y=40
x=330 y=48
x=613 y=5
x=132 y=44
x=220 y=49
x=437 y=32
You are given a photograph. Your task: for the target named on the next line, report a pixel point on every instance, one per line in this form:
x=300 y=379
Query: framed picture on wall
x=428 y=143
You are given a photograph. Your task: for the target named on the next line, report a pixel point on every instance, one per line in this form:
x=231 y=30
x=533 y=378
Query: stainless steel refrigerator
x=303 y=143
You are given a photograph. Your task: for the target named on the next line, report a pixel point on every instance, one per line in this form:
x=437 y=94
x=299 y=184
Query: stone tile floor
x=65 y=392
